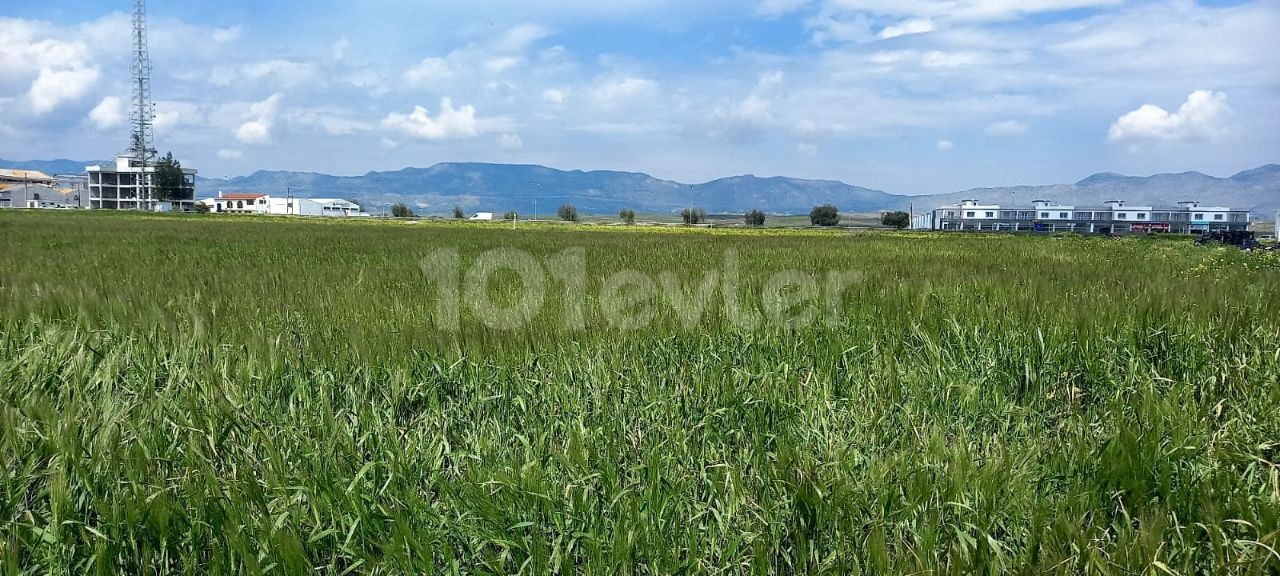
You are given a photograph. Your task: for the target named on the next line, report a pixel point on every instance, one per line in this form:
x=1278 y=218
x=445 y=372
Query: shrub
x=898 y=220
x=512 y=215
x=825 y=215
x=754 y=218
x=568 y=213
x=627 y=215
x=693 y=216
x=458 y=213
x=401 y=210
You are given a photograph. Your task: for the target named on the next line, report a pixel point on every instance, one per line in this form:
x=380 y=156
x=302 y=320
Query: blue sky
x=909 y=96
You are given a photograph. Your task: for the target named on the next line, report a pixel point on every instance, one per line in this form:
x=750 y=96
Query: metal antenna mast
x=141 y=118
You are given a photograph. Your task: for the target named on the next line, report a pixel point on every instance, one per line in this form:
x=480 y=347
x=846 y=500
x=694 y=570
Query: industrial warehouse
x=1115 y=217
x=34 y=189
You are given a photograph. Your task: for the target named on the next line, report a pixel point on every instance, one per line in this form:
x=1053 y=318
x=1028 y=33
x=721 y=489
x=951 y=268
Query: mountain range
x=529 y=188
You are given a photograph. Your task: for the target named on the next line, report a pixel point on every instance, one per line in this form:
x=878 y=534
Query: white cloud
x=945 y=145
x=226 y=35
x=259 y=130
x=501 y=64
x=511 y=142
x=283 y=72
x=614 y=92
x=1006 y=129
x=915 y=26
x=519 y=38
x=340 y=49
x=170 y=113
x=226 y=154
x=555 y=95
x=34 y=59
x=107 y=114
x=970 y=10
x=53 y=88
x=779 y=7
x=429 y=71
x=940 y=59
x=748 y=120
x=451 y=123
x=1204 y=116
x=166 y=120
x=330 y=120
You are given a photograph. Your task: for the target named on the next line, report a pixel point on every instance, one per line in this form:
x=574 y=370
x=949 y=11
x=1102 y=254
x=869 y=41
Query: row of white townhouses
x=1115 y=217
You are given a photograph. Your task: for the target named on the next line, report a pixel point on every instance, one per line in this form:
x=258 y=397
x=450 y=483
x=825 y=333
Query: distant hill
x=50 y=167
x=503 y=187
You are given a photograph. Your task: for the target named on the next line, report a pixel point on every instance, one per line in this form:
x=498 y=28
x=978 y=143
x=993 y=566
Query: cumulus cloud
x=747 y=121
x=915 y=26
x=283 y=72
x=451 y=123
x=615 y=92
x=555 y=96
x=107 y=114
x=511 y=142
x=330 y=120
x=501 y=64
x=226 y=35
x=778 y=7
x=519 y=38
x=974 y=10
x=36 y=60
x=259 y=130
x=54 y=87
x=1204 y=116
x=340 y=49
x=428 y=71
x=1006 y=129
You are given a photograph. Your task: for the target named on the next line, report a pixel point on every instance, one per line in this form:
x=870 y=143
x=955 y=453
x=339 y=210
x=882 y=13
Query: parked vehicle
x=1241 y=239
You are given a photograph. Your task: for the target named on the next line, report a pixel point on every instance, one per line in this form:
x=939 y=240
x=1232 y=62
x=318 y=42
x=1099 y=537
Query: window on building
x=1044 y=214
x=1218 y=217
x=1142 y=215
x=239 y=204
x=1122 y=216
x=1199 y=216
x=1064 y=215
x=951 y=214
x=991 y=214
x=970 y=214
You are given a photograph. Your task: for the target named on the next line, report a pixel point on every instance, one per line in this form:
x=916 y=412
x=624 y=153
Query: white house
x=288 y=206
x=1046 y=210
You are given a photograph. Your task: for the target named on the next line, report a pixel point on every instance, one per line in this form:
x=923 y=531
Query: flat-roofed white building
x=1114 y=217
x=241 y=203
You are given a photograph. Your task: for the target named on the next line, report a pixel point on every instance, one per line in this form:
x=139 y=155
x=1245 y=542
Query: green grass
x=223 y=395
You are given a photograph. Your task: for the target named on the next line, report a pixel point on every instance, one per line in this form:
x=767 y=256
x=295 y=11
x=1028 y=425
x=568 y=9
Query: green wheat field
x=205 y=395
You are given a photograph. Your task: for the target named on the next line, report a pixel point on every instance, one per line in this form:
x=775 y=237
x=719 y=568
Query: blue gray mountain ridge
x=503 y=187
